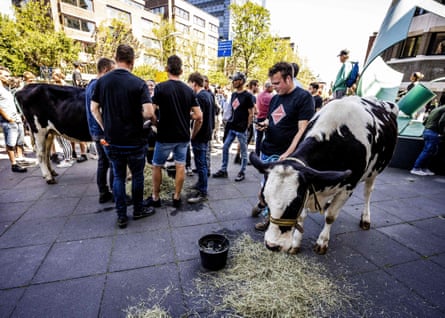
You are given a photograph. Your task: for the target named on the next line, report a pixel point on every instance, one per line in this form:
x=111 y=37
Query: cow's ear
x=326 y=177
x=257 y=163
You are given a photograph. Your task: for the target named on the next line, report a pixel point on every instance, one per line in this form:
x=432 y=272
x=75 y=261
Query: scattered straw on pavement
x=258 y=283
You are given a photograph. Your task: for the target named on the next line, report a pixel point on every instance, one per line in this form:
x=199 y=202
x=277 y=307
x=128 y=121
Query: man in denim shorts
x=11 y=123
x=177 y=105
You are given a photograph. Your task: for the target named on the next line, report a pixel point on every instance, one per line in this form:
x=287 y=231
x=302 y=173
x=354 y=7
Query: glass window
x=158 y=10
x=199 y=21
x=182 y=13
x=200 y=35
x=410 y=47
x=84 y=4
x=213 y=28
x=437 y=44
x=114 y=13
x=78 y=24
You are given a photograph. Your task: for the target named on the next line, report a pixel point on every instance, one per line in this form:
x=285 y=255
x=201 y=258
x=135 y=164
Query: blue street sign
x=225 y=48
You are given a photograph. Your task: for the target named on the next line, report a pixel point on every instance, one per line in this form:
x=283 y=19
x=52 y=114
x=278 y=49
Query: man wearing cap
x=339 y=89
x=242 y=103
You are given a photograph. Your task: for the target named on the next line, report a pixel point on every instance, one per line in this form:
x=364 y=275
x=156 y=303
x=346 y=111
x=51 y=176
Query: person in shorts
x=177 y=105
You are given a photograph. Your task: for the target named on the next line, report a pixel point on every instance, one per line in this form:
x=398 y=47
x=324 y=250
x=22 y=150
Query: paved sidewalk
x=61 y=254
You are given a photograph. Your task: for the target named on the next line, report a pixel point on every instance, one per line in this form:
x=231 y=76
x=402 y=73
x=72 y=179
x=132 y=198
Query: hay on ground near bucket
x=260 y=283
x=167 y=186
x=143 y=310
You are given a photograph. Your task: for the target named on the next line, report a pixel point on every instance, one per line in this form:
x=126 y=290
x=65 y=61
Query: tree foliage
x=30 y=41
x=110 y=34
x=166 y=40
x=251 y=36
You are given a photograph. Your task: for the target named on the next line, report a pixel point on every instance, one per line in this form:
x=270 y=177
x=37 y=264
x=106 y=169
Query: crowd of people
x=185 y=118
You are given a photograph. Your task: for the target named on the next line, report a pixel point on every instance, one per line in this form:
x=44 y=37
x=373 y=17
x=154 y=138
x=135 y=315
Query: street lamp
x=161 y=45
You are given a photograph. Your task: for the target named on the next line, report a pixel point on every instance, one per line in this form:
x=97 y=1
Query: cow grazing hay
x=259 y=283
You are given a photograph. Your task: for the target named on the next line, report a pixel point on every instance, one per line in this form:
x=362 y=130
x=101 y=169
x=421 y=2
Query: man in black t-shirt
x=318 y=101
x=177 y=105
x=200 y=141
x=242 y=116
x=289 y=113
x=120 y=102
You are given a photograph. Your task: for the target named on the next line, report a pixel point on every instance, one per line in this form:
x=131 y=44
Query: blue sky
x=321 y=28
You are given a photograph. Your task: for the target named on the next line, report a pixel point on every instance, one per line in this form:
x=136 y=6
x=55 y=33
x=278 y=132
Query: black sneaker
x=122 y=222
x=82 y=158
x=17 y=168
x=176 y=202
x=220 y=174
x=150 y=202
x=105 y=197
x=128 y=200
x=240 y=177
x=237 y=159
x=197 y=198
x=146 y=211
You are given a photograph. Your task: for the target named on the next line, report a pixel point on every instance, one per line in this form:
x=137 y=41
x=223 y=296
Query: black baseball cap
x=238 y=76
x=343 y=52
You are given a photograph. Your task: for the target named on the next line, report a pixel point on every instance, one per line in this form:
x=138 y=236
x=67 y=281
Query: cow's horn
x=257 y=163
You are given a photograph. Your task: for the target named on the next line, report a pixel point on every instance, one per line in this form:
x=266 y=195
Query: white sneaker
x=25 y=160
x=189 y=171
x=428 y=172
x=65 y=164
x=418 y=172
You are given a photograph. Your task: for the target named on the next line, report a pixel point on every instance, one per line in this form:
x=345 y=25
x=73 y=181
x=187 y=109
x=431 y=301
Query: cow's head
x=286 y=188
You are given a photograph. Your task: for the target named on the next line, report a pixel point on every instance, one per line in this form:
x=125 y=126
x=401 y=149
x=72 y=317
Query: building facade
x=422 y=51
x=197 y=43
x=79 y=19
x=220 y=9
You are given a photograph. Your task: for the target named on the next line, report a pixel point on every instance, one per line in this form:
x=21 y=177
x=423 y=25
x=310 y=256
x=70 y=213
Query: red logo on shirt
x=235 y=103
x=278 y=114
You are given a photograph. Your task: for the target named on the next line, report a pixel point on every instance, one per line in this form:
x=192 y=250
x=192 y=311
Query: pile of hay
x=167 y=186
x=259 y=283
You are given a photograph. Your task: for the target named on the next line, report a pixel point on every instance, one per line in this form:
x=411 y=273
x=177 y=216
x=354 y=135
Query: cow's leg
x=48 y=145
x=321 y=246
x=365 y=220
x=42 y=155
x=298 y=233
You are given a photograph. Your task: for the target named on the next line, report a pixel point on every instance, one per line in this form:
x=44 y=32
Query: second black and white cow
x=350 y=140
x=50 y=110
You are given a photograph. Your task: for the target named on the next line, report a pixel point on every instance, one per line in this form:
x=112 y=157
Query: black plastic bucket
x=213 y=249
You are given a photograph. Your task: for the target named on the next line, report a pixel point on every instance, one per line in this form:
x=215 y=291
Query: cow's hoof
x=321 y=250
x=294 y=250
x=365 y=225
x=54 y=173
x=51 y=181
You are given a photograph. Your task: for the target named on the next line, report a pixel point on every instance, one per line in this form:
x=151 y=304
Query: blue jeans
x=430 y=148
x=200 y=154
x=242 y=139
x=103 y=165
x=134 y=158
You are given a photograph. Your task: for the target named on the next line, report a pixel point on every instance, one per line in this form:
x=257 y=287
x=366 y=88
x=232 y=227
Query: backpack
x=353 y=75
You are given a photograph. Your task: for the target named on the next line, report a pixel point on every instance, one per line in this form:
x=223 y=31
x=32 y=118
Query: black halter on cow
x=53 y=110
x=350 y=140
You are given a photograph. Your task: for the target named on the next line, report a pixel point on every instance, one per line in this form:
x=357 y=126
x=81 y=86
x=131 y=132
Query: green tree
x=30 y=41
x=110 y=34
x=165 y=35
x=145 y=71
x=251 y=37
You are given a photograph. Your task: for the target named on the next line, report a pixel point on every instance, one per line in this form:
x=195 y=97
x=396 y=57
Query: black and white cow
x=350 y=140
x=53 y=110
